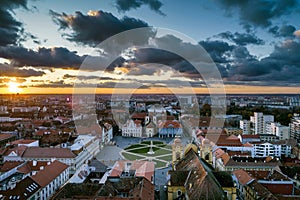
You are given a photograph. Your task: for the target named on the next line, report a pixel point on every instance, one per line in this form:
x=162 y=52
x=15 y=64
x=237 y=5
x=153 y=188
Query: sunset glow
x=13 y=87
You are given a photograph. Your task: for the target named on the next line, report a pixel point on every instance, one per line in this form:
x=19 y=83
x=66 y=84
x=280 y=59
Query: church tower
x=206 y=151
x=177 y=149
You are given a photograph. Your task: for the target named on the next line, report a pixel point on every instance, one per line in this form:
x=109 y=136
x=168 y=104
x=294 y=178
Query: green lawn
x=129 y=156
x=166 y=158
x=142 y=150
x=159 y=164
x=135 y=146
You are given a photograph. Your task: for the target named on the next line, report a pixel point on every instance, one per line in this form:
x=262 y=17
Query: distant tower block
x=177 y=149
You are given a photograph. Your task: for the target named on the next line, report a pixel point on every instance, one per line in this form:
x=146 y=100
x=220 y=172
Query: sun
x=13 y=87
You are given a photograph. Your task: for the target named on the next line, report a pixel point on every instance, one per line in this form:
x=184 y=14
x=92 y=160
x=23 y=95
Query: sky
x=149 y=46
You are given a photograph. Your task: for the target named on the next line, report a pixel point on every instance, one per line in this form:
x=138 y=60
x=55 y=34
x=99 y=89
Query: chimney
x=41 y=167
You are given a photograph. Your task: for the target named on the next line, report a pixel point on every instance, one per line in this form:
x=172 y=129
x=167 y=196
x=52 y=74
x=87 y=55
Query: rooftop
x=49 y=173
x=39 y=152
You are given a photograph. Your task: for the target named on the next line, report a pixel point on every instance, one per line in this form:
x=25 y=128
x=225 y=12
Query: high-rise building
x=295 y=127
x=260 y=122
x=245 y=125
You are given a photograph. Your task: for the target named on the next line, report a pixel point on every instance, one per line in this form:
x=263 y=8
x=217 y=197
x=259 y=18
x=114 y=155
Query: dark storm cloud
x=241 y=38
x=261 y=12
x=282 y=67
x=44 y=57
x=286 y=31
x=126 y=5
x=218 y=50
x=7 y=70
x=10 y=28
x=93 y=28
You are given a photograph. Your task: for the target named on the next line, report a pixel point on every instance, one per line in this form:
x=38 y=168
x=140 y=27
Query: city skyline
x=254 y=46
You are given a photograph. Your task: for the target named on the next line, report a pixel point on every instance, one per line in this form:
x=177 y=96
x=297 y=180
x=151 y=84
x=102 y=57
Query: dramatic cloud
x=55 y=57
x=241 y=38
x=10 y=28
x=286 y=31
x=126 y=5
x=7 y=70
x=54 y=84
x=280 y=67
x=96 y=26
x=218 y=50
x=261 y=12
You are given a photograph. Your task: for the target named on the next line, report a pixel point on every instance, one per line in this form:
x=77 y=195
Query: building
x=132 y=129
x=50 y=178
x=255 y=190
x=85 y=148
x=241 y=178
x=225 y=162
x=249 y=139
x=136 y=168
x=134 y=188
x=191 y=179
x=63 y=155
x=233 y=131
x=128 y=180
x=107 y=133
x=245 y=125
x=294 y=128
x=169 y=128
x=25 y=189
x=41 y=184
x=282 y=132
x=260 y=122
x=268 y=138
x=28 y=143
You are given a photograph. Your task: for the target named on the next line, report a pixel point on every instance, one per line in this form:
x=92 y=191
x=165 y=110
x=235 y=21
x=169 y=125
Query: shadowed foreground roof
x=200 y=184
x=137 y=188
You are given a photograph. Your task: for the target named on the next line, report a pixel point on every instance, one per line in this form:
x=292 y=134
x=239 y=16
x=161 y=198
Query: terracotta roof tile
x=39 y=152
x=4 y=136
x=242 y=176
x=49 y=173
x=8 y=165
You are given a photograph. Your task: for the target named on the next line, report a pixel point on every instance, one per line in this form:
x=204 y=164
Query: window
x=179 y=193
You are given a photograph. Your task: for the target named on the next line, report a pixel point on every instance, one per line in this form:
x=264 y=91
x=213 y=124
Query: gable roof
x=200 y=183
x=8 y=165
x=242 y=176
x=49 y=173
x=47 y=152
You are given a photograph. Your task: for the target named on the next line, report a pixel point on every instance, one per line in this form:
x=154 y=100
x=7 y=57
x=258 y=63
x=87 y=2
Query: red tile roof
x=224 y=140
x=19 y=150
x=142 y=168
x=39 y=152
x=8 y=165
x=30 y=166
x=5 y=136
x=22 y=141
x=169 y=123
x=242 y=176
x=49 y=173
